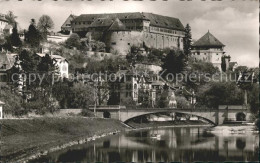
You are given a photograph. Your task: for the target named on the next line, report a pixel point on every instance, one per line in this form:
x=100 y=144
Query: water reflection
x=175 y=144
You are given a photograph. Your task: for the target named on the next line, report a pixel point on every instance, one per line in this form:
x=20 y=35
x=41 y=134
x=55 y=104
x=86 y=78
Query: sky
x=234 y=23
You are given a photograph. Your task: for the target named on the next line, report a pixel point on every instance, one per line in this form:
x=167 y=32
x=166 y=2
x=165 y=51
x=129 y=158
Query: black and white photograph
x=137 y=81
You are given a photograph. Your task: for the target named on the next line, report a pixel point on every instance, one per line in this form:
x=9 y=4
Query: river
x=185 y=144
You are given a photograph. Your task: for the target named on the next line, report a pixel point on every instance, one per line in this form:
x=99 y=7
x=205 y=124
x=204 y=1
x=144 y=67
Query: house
x=208 y=49
x=66 y=26
x=8 y=29
x=3 y=23
x=132 y=85
x=7 y=61
x=61 y=63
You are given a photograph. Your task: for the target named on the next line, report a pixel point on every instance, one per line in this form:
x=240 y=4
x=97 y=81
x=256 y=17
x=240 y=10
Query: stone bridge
x=216 y=117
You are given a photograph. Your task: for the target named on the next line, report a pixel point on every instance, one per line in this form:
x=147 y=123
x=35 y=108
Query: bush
x=182 y=102
x=87 y=113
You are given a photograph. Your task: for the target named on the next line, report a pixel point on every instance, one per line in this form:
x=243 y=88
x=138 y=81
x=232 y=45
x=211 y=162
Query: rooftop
x=208 y=40
x=155 y=20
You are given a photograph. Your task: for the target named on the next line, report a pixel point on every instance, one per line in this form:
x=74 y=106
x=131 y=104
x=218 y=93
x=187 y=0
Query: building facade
x=133 y=86
x=208 y=49
x=3 y=23
x=66 y=26
x=61 y=63
x=120 y=31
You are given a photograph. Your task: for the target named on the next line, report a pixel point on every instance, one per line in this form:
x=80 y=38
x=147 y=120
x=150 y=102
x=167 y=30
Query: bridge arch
x=208 y=118
x=106 y=114
x=240 y=116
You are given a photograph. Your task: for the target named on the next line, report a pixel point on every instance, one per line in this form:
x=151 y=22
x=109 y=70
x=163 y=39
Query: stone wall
x=120 y=42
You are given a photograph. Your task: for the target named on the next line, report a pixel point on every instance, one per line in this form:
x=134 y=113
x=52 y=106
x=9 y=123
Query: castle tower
x=209 y=49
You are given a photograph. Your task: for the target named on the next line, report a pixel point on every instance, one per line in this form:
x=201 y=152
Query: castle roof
x=155 y=20
x=102 y=22
x=117 y=25
x=208 y=40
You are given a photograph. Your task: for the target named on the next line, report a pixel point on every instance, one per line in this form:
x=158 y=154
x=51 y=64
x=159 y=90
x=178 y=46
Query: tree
x=45 y=24
x=29 y=61
x=10 y=17
x=73 y=41
x=61 y=91
x=33 y=36
x=97 y=46
x=214 y=94
x=187 y=41
x=8 y=43
x=12 y=100
x=182 y=102
x=144 y=98
x=15 y=39
x=173 y=63
x=81 y=96
x=199 y=74
x=223 y=64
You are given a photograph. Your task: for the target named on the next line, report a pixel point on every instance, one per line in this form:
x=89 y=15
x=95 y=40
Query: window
x=135 y=86
x=113 y=43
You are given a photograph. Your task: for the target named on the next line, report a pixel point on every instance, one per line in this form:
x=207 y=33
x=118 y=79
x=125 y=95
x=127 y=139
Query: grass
x=22 y=137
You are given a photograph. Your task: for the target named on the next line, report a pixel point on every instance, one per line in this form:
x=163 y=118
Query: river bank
x=24 y=139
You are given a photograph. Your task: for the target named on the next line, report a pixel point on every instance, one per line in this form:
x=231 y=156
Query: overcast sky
x=234 y=23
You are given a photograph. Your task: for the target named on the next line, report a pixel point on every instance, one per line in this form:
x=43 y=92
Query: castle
x=209 y=49
x=120 y=31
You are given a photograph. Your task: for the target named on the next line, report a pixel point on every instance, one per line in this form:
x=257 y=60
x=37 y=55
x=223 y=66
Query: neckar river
x=185 y=144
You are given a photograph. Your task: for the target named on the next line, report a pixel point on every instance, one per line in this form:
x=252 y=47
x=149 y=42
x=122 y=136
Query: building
x=120 y=31
x=133 y=86
x=66 y=26
x=61 y=63
x=209 y=49
x=8 y=29
x=7 y=61
x=3 y=23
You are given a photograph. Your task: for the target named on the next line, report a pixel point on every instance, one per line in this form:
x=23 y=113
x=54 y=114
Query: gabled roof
x=155 y=20
x=6 y=61
x=56 y=57
x=163 y=21
x=208 y=40
x=117 y=25
x=68 y=20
